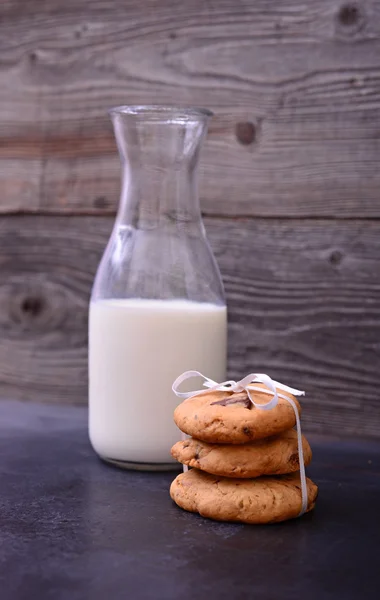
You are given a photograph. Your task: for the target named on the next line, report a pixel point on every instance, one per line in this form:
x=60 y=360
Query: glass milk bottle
x=157 y=306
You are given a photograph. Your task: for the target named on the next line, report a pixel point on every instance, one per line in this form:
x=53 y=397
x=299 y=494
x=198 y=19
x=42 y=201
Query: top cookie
x=230 y=418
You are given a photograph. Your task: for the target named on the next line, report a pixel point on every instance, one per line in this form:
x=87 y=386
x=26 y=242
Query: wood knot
x=348 y=15
x=32 y=306
x=336 y=257
x=350 y=19
x=245 y=132
x=100 y=202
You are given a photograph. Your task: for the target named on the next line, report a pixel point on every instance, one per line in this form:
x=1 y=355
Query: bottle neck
x=152 y=197
x=159 y=151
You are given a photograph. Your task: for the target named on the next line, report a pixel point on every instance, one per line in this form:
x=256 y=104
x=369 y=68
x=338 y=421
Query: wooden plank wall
x=290 y=182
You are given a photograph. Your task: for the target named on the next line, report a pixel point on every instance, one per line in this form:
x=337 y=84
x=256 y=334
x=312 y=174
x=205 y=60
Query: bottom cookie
x=255 y=501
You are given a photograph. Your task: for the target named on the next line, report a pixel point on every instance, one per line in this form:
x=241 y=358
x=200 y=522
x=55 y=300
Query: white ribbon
x=245 y=384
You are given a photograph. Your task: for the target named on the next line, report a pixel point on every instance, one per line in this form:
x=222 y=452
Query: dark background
x=290 y=182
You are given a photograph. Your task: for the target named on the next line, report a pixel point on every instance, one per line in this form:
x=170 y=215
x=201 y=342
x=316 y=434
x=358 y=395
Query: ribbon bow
x=246 y=384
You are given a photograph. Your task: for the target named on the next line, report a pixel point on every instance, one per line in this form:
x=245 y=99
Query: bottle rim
x=161 y=112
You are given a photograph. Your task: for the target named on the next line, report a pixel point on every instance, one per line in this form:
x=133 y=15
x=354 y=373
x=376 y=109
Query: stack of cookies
x=245 y=463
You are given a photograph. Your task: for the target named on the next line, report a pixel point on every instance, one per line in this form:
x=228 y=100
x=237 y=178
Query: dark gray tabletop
x=74 y=528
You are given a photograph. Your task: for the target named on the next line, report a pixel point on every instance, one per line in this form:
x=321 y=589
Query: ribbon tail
x=301 y=459
x=184 y=437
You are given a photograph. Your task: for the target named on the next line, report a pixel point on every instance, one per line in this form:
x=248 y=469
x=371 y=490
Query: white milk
x=136 y=350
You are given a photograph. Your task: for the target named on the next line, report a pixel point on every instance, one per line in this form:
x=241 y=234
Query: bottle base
x=141 y=466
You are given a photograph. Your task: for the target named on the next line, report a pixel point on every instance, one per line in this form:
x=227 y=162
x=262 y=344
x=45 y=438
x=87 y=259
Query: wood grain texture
x=305 y=76
x=303 y=297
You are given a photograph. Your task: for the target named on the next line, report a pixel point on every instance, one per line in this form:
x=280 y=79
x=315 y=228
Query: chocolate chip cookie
x=230 y=418
x=261 y=500
x=271 y=456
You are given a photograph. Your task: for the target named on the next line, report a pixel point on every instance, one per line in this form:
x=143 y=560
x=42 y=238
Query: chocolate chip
x=240 y=398
x=247 y=431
